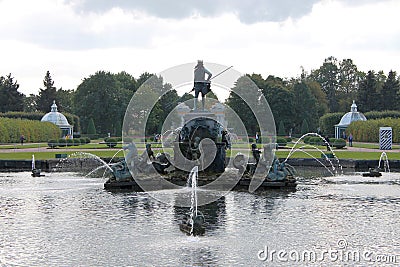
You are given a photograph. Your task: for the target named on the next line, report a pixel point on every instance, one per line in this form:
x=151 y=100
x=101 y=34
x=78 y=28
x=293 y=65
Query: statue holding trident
x=201 y=85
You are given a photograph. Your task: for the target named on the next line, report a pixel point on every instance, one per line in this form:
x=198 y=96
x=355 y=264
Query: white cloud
x=42 y=35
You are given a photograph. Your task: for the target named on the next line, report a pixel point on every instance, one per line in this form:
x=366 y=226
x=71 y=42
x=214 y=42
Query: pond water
x=66 y=220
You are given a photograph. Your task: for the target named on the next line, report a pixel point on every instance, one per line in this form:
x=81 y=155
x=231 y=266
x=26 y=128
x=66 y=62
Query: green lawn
x=51 y=155
x=341 y=155
x=279 y=153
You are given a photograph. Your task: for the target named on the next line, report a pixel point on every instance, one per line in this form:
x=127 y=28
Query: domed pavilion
x=348 y=118
x=60 y=120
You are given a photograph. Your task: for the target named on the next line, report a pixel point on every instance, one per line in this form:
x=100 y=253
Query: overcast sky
x=75 y=38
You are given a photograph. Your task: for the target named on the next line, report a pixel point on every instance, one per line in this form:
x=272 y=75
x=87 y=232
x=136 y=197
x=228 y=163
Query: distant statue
x=256 y=153
x=149 y=152
x=225 y=139
x=133 y=152
x=201 y=84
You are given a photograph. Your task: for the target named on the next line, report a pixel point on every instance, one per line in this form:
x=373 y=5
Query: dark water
x=67 y=220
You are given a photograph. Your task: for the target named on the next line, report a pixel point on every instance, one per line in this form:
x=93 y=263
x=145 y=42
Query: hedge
x=281 y=141
x=33 y=130
x=374 y=115
x=317 y=141
x=72 y=119
x=368 y=131
x=328 y=121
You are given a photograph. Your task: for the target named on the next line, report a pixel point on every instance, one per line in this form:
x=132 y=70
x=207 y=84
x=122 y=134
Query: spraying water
x=385 y=162
x=33 y=162
x=294 y=149
x=193 y=208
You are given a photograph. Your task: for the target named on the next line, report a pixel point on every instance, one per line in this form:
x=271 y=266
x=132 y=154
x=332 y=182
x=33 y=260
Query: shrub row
x=114 y=139
x=72 y=119
x=368 y=131
x=374 y=115
x=67 y=142
x=318 y=141
x=33 y=130
x=112 y=142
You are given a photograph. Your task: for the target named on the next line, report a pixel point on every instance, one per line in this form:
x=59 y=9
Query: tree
x=327 y=76
x=65 y=100
x=91 y=129
x=187 y=99
x=320 y=96
x=304 y=127
x=368 y=93
x=126 y=81
x=46 y=95
x=99 y=97
x=280 y=100
x=305 y=107
x=281 y=129
x=240 y=107
x=30 y=103
x=10 y=98
x=390 y=91
x=349 y=78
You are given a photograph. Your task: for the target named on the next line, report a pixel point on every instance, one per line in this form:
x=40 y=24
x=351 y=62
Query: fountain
x=274 y=175
x=332 y=153
x=386 y=162
x=35 y=172
x=376 y=172
x=193 y=223
x=198 y=143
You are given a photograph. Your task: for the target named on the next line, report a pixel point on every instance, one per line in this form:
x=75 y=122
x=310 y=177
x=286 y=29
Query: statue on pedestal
x=201 y=85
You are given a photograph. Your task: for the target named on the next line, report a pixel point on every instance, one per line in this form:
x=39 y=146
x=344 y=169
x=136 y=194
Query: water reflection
x=67 y=220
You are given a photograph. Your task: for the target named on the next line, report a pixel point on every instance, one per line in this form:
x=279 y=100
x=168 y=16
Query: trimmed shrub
x=70 y=142
x=306 y=139
x=251 y=139
x=281 y=141
x=77 y=141
x=33 y=131
x=111 y=142
x=337 y=143
x=82 y=141
x=316 y=141
x=288 y=139
x=52 y=143
x=62 y=142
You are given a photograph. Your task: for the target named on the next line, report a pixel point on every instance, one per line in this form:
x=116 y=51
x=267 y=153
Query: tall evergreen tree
x=349 y=78
x=368 y=96
x=389 y=93
x=46 y=95
x=305 y=107
x=91 y=129
x=10 y=98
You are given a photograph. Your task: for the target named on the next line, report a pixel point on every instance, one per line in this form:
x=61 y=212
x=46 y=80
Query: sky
x=75 y=38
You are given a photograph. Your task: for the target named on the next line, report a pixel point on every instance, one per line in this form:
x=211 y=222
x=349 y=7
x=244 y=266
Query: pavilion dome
x=56 y=117
x=351 y=116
